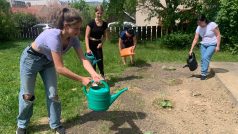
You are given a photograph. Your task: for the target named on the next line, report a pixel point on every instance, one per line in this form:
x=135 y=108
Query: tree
x=170 y=11
x=210 y=8
x=115 y=9
x=7 y=27
x=85 y=11
x=4 y=6
x=228 y=19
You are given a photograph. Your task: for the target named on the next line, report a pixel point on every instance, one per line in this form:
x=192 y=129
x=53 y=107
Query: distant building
x=42 y=9
x=142 y=15
x=22 y=3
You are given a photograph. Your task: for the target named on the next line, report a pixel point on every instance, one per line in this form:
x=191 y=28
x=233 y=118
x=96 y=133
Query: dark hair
x=99 y=8
x=66 y=16
x=203 y=18
x=130 y=31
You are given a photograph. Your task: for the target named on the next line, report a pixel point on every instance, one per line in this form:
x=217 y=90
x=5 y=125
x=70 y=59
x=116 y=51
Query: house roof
x=133 y=18
x=31 y=10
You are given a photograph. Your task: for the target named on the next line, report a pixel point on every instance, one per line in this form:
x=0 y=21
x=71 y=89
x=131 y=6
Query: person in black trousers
x=95 y=36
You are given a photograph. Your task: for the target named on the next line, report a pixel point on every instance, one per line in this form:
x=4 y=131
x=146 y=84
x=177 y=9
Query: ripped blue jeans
x=30 y=66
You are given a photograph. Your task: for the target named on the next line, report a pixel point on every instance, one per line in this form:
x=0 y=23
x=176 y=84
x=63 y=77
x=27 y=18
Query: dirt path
x=199 y=107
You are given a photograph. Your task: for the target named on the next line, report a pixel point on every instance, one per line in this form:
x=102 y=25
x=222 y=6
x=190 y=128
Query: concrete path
x=227 y=72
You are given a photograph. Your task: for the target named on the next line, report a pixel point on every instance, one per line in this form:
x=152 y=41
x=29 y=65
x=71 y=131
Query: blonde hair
x=67 y=16
x=99 y=8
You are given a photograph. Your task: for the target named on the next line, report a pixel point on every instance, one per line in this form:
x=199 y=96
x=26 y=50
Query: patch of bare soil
x=198 y=107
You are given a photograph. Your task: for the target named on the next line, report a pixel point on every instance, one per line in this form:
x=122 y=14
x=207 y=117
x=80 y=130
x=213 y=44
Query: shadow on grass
x=141 y=63
x=8 y=45
x=118 y=118
x=116 y=79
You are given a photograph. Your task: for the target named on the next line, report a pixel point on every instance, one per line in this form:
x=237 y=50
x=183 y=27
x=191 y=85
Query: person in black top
x=95 y=36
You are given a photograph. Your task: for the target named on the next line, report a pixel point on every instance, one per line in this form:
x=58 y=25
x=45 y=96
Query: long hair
x=66 y=16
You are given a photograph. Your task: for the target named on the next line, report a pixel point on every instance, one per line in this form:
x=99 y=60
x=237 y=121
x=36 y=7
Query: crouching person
x=127 y=39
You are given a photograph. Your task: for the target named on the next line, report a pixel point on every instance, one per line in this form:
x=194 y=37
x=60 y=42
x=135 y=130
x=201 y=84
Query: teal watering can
x=99 y=98
x=91 y=58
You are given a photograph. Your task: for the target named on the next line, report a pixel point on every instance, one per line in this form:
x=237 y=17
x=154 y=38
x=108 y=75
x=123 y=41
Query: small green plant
x=163 y=103
x=166 y=104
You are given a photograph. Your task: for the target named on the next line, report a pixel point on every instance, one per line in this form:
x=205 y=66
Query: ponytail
x=66 y=16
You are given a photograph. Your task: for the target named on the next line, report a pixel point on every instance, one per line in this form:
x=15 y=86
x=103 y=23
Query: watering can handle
x=90 y=53
x=85 y=90
x=105 y=84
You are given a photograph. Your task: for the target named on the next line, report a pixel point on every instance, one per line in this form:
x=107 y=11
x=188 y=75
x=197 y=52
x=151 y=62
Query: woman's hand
x=89 y=51
x=97 y=78
x=86 y=80
x=99 y=45
x=217 y=49
x=190 y=52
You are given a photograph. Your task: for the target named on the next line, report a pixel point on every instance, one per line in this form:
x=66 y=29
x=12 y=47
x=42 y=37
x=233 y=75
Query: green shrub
x=23 y=20
x=113 y=37
x=176 y=40
x=227 y=19
x=7 y=30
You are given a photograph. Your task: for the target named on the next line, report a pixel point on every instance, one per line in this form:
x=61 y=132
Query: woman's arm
x=87 y=65
x=120 y=44
x=103 y=39
x=134 y=41
x=195 y=41
x=218 y=36
x=61 y=69
x=87 y=36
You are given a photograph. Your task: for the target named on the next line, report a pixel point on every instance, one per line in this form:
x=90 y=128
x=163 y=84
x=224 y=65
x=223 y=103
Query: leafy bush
x=23 y=20
x=228 y=19
x=176 y=40
x=7 y=29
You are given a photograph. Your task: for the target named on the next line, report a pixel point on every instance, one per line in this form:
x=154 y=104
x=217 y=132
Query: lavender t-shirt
x=50 y=40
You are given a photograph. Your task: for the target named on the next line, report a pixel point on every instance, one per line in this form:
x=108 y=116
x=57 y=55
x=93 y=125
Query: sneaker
x=60 y=130
x=21 y=131
x=203 y=77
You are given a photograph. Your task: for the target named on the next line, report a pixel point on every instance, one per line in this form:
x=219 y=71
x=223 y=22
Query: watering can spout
x=96 y=61
x=116 y=95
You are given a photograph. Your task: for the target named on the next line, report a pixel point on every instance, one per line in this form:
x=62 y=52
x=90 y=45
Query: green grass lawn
x=70 y=91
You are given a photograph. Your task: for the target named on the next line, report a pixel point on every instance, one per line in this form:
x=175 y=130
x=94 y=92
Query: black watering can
x=191 y=62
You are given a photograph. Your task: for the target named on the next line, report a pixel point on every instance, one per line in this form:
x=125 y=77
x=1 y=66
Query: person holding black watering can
x=95 y=36
x=210 y=43
x=44 y=56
